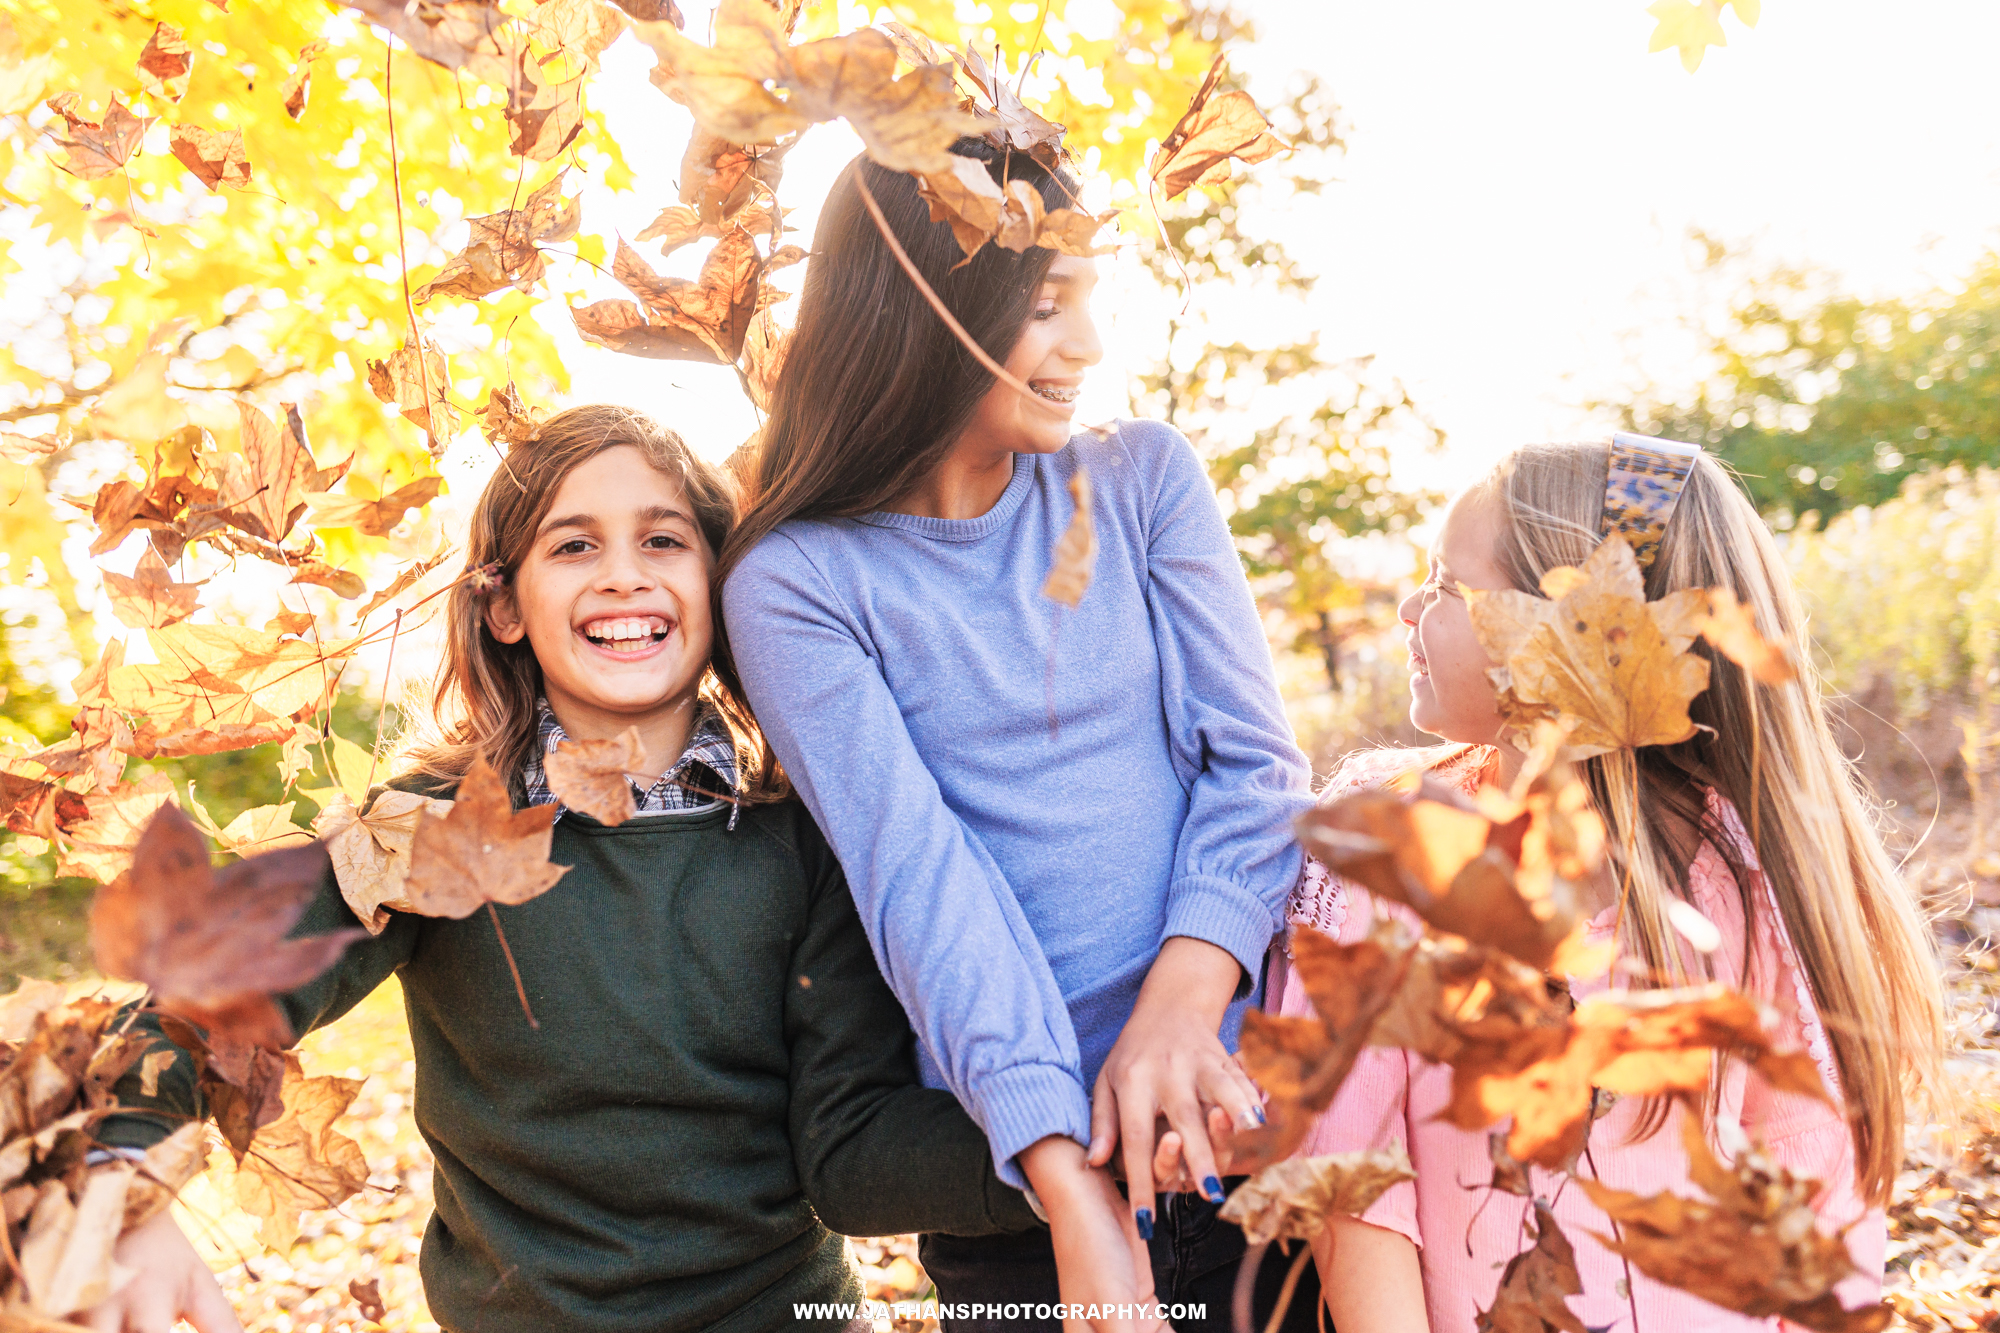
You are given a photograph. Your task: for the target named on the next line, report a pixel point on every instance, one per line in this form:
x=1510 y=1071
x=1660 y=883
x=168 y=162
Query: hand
x=172 y=1283
x=1100 y=1259
x=1169 y=1062
x=1170 y=1169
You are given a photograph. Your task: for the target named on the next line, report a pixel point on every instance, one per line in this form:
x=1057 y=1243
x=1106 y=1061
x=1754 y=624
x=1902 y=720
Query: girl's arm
x=1100 y=1260
x=947 y=930
x=1371 y=1278
x=1246 y=781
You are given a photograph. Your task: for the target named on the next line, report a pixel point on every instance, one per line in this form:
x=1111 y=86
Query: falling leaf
x=1076 y=551
x=368 y=1296
x=1533 y=1288
x=595 y=777
x=405 y=579
x=1730 y=628
x=507 y=420
x=265 y=486
x=1595 y=650
x=680 y=320
x=1293 y=1199
x=262 y=828
x=1301 y=1063
x=300 y=1162
x=215 y=158
x=733 y=88
x=1510 y=1176
x=168 y=1165
x=211 y=944
x=218 y=687
x=965 y=195
x=22 y=449
x=98 y=150
x=721 y=181
x=1689 y=26
x=371 y=518
x=482 y=851
x=764 y=358
x=579 y=29
x=504 y=248
x=1006 y=121
x=165 y=62
x=150 y=598
x=549 y=122
x=298 y=84
x=344 y=583
x=371 y=851
x=65 y=1260
x=101 y=846
x=417 y=379
x=39 y=809
x=21 y=1011
x=1213 y=130
x=457 y=34
x=150 y=1069
x=1754 y=1246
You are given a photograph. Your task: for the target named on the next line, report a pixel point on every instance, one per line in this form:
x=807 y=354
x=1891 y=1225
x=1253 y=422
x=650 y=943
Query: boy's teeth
x=629 y=632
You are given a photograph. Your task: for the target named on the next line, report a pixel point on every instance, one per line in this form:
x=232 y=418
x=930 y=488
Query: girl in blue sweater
x=1068 y=831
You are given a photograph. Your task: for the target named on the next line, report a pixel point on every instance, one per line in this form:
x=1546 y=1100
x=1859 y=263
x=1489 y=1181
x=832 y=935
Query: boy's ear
x=503 y=616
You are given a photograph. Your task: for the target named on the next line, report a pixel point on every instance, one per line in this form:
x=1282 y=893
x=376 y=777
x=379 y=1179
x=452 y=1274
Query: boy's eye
x=664 y=541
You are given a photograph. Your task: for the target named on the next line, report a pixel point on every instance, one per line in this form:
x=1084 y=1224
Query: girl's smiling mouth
x=626 y=636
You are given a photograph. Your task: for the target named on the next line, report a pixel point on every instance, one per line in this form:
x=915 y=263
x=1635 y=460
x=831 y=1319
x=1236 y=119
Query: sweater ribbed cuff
x=1023 y=1104
x=1226 y=915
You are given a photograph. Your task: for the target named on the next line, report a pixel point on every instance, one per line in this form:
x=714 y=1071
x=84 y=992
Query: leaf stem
x=519 y=989
x=402 y=244
x=375 y=751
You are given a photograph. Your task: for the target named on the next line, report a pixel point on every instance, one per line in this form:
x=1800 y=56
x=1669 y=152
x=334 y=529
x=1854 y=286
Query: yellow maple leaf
x=1692 y=27
x=1595 y=651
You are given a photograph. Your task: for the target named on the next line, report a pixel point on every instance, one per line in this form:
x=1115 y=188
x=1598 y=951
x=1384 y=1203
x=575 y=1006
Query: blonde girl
x=1811 y=914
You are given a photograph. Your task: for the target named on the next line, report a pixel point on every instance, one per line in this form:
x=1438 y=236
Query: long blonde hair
x=1860 y=937
x=484 y=699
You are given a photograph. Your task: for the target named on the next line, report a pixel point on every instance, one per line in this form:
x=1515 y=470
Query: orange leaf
x=1076 y=551
x=1293 y=1199
x=417 y=379
x=1213 y=130
x=1731 y=629
x=595 y=777
x=681 y=320
x=298 y=84
x=503 y=249
x=216 y=159
x=483 y=851
x=299 y=1162
x=150 y=598
x=165 y=62
x=1531 y=1297
x=98 y=150
x=507 y=420
x=371 y=518
x=212 y=945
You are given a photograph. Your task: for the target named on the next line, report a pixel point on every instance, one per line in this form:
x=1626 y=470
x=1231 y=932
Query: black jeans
x=1195 y=1258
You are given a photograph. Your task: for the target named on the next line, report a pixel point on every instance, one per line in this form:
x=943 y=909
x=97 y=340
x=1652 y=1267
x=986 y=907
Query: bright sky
x=1510 y=230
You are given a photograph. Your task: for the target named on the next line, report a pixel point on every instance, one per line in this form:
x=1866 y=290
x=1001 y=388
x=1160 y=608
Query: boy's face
x=1450 y=693
x=613 y=597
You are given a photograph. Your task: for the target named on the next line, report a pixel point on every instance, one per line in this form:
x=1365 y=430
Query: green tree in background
x=1294 y=487
x=1824 y=401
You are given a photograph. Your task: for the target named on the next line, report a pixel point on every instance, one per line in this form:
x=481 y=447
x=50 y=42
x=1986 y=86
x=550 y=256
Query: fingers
x=1223 y=1083
x=1168 y=1178
x=108 y=1317
x=1184 y=1113
x=1221 y=1138
x=206 y=1307
x=1103 y=1120
x=1136 y=1129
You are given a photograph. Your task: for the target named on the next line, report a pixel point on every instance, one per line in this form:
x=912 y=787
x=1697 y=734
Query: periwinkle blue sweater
x=1029 y=801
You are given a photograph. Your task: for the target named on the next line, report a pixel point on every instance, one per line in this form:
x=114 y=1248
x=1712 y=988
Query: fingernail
x=1260 y=1113
x=1212 y=1188
x=1143 y=1218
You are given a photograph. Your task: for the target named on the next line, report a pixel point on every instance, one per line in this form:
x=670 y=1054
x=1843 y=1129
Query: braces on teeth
x=1056 y=393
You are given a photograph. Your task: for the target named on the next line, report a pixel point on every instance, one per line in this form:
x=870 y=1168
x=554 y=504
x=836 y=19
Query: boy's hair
x=483 y=702
x=1861 y=940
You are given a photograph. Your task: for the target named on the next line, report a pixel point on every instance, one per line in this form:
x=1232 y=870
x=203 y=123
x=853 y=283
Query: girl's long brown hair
x=483 y=702
x=875 y=389
x=1862 y=942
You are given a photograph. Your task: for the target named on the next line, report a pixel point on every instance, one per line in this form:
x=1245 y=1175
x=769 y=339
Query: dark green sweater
x=718 y=1059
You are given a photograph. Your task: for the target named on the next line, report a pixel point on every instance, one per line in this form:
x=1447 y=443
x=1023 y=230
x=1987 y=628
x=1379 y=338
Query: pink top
x=1466 y=1230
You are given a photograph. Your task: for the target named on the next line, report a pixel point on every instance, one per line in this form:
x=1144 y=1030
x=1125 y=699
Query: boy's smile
x=612 y=595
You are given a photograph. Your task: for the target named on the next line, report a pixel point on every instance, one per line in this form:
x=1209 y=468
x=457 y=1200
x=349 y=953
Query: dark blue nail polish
x=1260 y=1113
x=1213 y=1189
x=1144 y=1219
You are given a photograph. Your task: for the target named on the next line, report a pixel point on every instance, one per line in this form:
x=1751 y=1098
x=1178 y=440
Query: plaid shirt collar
x=706 y=768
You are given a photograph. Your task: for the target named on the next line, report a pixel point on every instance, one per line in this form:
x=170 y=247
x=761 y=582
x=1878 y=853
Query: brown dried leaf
x=264 y=488
x=418 y=381
x=23 y=449
x=1292 y=1199
x=371 y=851
x=457 y=34
x=705 y=320
x=65 y=1260
x=213 y=945
x=595 y=777
x=1076 y=552
x=300 y=1162
x=101 y=846
x=96 y=150
x=40 y=1083
x=405 y=579
x=721 y=180
x=371 y=518
x=150 y=1069
x=1213 y=130
x=169 y=1164
x=506 y=418
x=262 y=828
x=550 y=121
x=1731 y=630
x=150 y=598
x=368 y=1296
x=965 y=195
x=504 y=248
x=215 y=158
x=1756 y=1248
x=764 y=358
x=1596 y=651
x=20 y=1010
x=1009 y=124
x=733 y=88
x=482 y=851
x=165 y=62
x=222 y=687
x=579 y=29
x=40 y=809
x=1531 y=1297
x=298 y=84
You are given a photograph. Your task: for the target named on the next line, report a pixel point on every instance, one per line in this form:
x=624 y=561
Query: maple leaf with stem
x=370 y=849
x=1294 y=1199
x=212 y=945
x=1594 y=650
x=299 y=1162
x=165 y=62
x=417 y=379
x=96 y=150
x=506 y=418
x=504 y=248
x=150 y=598
x=1754 y=1246
x=675 y=319
x=1211 y=133
x=215 y=158
x=1535 y=1284
x=595 y=777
